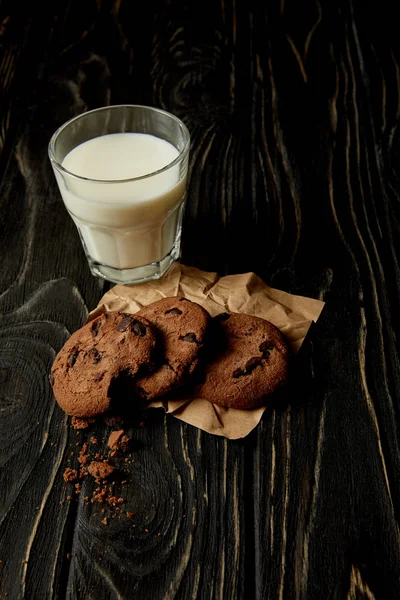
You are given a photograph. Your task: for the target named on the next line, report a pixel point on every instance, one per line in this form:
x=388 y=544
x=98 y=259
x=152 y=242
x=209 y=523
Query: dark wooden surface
x=293 y=109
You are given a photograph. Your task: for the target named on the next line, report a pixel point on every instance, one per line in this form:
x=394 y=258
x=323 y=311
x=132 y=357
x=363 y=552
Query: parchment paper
x=244 y=293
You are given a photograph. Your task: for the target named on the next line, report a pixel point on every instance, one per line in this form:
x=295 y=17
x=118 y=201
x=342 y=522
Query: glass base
x=149 y=272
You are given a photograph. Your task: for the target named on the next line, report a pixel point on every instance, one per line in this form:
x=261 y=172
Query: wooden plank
x=332 y=465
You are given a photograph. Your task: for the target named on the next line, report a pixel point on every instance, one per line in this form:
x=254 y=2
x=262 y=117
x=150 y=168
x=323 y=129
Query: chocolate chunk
x=222 y=316
x=51 y=378
x=95 y=355
x=125 y=323
x=95 y=327
x=252 y=363
x=99 y=376
x=265 y=346
x=136 y=326
x=189 y=337
x=173 y=311
x=139 y=328
x=238 y=373
x=71 y=360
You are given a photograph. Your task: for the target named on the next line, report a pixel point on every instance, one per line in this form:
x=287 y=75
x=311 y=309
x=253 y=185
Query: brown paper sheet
x=244 y=293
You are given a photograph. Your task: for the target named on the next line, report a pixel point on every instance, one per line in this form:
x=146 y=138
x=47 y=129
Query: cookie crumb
x=118 y=440
x=113 y=501
x=99 y=495
x=105 y=521
x=129 y=515
x=70 y=475
x=68 y=556
x=78 y=423
x=112 y=421
x=94 y=440
x=100 y=470
x=83 y=455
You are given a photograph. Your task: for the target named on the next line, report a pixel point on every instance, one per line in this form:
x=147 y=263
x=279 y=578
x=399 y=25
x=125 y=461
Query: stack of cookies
x=233 y=360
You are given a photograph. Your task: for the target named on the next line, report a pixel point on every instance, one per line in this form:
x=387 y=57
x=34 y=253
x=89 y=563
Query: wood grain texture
x=294 y=115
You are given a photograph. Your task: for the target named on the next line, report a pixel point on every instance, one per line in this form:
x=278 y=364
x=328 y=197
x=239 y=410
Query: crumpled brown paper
x=245 y=293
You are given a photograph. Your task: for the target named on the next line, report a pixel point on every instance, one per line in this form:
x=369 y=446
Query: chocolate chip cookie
x=182 y=325
x=95 y=356
x=251 y=362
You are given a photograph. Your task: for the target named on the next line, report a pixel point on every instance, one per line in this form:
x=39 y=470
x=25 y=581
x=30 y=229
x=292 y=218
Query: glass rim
x=56 y=164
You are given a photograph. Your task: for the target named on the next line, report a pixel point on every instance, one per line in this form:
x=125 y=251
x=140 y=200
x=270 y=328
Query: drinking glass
x=130 y=228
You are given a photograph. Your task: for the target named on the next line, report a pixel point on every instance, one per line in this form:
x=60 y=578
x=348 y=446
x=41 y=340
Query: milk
x=124 y=224
x=119 y=156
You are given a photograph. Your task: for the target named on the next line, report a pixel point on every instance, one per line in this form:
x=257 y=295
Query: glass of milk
x=122 y=174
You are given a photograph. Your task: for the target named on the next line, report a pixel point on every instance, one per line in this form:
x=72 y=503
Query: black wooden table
x=293 y=109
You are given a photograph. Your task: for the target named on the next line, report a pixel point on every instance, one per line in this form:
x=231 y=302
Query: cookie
x=93 y=358
x=251 y=362
x=182 y=325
